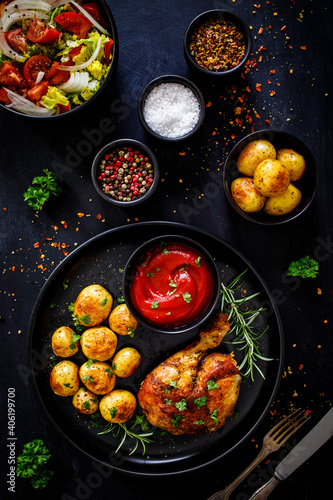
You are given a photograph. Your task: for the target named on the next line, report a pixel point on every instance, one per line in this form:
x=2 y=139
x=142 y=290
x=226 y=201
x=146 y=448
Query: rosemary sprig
x=129 y=434
x=241 y=325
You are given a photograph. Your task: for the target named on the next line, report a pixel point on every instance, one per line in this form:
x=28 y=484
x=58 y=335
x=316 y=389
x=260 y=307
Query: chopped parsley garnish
x=173 y=384
x=89 y=363
x=197 y=261
x=103 y=303
x=173 y=284
x=167 y=401
x=65 y=284
x=200 y=402
x=121 y=300
x=150 y=274
x=181 y=405
x=86 y=405
x=131 y=331
x=165 y=251
x=154 y=305
x=85 y=319
x=68 y=385
x=87 y=378
x=121 y=270
x=212 y=385
x=75 y=338
x=168 y=313
x=214 y=416
x=187 y=297
x=109 y=372
x=113 y=411
x=199 y=422
x=176 y=420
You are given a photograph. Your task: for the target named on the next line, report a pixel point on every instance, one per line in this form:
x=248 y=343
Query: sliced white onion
x=19 y=5
x=39 y=77
x=57 y=3
x=26 y=107
x=7 y=21
x=83 y=65
x=7 y=50
x=91 y=19
x=76 y=82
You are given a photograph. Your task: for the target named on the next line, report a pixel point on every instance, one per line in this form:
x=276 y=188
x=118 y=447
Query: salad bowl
x=56 y=56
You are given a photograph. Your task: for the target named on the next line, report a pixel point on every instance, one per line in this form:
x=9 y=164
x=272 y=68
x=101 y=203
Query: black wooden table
x=291 y=60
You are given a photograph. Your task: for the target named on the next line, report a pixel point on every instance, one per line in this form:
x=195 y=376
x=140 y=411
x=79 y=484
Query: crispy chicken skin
x=182 y=380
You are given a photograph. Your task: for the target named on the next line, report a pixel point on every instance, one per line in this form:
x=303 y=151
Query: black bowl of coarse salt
x=217 y=43
x=125 y=172
x=171 y=108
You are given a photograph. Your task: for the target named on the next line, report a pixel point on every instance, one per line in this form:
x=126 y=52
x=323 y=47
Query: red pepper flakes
x=98 y=216
x=208 y=105
x=257 y=6
x=182 y=153
x=290 y=46
x=48 y=239
x=272 y=93
x=303 y=47
x=56 y=228
x=80 y=214
x=261 y=48
x=64 y=223
x=261 y=30
x=272 y=71
x=267 y=122
x=248 y=89
x=214 y=132
x=283 y=28
x=13 y=269
x=4 y=208
x=307 y=412
x=258 y=87
x=258 y=116
x=36 y=245
x=232 y=136
x=301 y=367
x=269 y=82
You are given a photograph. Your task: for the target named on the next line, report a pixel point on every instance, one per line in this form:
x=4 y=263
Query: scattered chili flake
x=98 y=216
x=182 y=153
x=301 y=367
x=283 y=28
x=272 y=71
x=208 y=105
x=307 y=412
x=47 y=239
x=272 y=93
x=64 y=223
x=217 y=45
x=257 y=6
x=56 y=228
x=258 y=87
x=80 y=214
x=261 y=30
x=233 y=136
x=214 y=132
x=261 y=48
x=303 y=47
x=36 y=245
x=13 y=268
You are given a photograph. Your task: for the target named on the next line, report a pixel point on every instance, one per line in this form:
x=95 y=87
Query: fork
x=273 y=440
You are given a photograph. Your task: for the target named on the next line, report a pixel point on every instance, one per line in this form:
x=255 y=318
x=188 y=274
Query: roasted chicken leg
x=191 y=392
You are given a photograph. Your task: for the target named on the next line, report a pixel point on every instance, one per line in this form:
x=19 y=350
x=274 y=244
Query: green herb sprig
x=241 y=325
x=139 y=438
x=31 y=464
x=41 y=189
x=305 y=267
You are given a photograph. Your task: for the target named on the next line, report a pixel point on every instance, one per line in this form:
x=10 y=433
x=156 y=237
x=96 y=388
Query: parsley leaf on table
x=304 y=268
x=41 y=189
x=31 y=464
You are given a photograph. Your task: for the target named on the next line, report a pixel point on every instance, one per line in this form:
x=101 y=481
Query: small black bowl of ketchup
x=171 y=284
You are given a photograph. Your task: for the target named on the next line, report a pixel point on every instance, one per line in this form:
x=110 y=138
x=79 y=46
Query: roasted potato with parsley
x=97 y=376
x=64 y=343
x=121 y=320
x=98 y=343
x=118 y=406
x=93 y=305
x=85 y=401
x=126 y=361
x=253 y=154
x=271 y=178
x=246 y=195
x=64 y=378
x=293 y=161
x=284 y=203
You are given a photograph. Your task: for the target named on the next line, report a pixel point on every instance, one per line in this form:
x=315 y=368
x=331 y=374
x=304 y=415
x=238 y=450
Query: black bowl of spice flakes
x=125 y=172
x=217 y=43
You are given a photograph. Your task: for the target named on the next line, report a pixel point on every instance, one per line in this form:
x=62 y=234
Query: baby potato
x=294 y=162
x=283 y=203
x=118 y=406
x=97 y=376
x=98 y=343
x=271 y=177
x=92 y=305
x=64 y=378
x=126 y=361
x=62 y=342
x=246 y=195
x=253 y=154
x=121 y=320
x=85 y=401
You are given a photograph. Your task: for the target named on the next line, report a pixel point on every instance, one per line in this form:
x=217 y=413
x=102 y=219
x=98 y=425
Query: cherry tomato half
x=76 y=23
x=11 y=76
x=34 y=65
x=108 y=50
x=40 y=32
x=16 y=40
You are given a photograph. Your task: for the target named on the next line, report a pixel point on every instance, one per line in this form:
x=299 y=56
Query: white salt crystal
x=171 y=110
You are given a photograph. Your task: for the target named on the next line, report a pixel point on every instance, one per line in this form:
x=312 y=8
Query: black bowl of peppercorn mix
x=307 y=184
x=125 y=172
x=171 y=108
x=217 y=43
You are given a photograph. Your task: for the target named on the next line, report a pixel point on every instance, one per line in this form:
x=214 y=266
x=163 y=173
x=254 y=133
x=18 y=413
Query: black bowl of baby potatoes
x=270 y=177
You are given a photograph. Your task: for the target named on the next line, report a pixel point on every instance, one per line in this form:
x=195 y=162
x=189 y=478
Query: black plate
x=99 y=261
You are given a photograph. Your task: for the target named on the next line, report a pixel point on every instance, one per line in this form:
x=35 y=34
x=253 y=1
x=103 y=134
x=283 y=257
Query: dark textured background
x=150 y=41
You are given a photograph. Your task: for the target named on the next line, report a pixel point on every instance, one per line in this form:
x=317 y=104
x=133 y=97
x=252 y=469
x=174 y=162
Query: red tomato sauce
x=172 y=285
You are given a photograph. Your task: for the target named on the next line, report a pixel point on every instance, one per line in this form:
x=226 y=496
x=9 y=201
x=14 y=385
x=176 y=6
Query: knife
x=298 y=455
